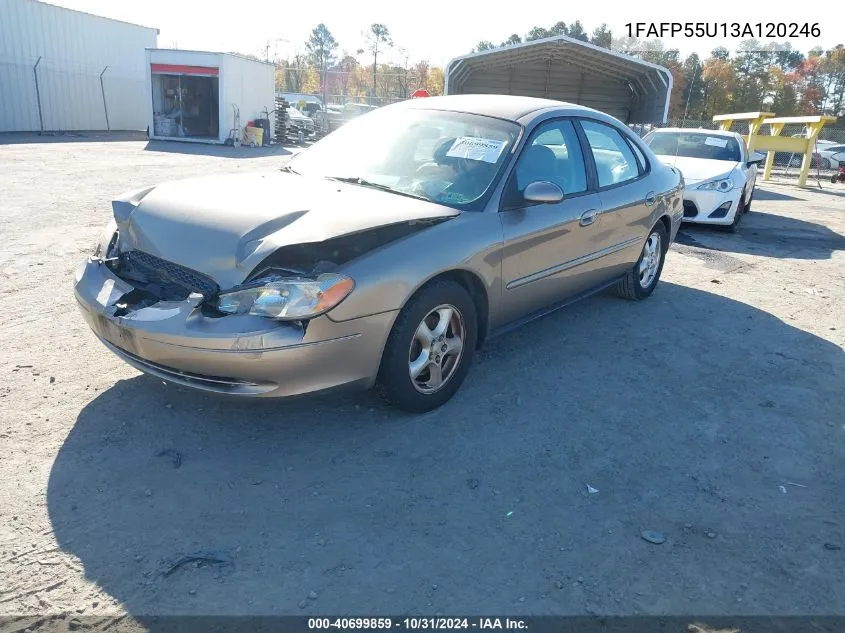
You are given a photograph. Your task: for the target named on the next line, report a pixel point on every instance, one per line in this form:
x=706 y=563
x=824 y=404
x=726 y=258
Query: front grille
x=690 y=210
x=164 y=279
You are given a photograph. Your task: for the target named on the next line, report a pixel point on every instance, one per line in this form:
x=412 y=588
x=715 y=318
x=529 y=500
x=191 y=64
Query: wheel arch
x=475 y=287
x=667 y=224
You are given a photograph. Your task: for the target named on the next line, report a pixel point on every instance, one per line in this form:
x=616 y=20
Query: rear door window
x=614 y=158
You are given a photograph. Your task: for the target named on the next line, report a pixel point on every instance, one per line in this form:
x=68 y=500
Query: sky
x=436 y=30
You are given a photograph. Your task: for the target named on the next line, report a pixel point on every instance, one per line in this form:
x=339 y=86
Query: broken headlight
x=287 y=298
x=106 y=246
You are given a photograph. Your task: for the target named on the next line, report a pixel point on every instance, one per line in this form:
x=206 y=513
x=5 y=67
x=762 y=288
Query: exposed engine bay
x=156 y=279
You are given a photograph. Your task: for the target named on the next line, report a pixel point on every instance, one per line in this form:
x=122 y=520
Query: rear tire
x=404 y=352
x=641 y=280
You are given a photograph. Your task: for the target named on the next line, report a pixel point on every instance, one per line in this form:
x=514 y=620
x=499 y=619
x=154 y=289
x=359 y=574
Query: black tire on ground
x=394 y=382
x=629 y=287
x=733 y=226
x=750 y=200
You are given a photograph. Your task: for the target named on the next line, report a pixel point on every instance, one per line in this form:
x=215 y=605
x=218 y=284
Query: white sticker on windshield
x=474 y=148
x=715 y=141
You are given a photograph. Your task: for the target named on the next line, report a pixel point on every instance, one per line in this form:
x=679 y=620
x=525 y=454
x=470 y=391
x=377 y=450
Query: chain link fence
x=49 y=96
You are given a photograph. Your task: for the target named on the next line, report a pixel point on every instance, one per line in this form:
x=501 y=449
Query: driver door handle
x=588 y=217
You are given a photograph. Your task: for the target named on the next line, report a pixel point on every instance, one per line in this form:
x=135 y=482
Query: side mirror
x=756 y=158
x=542 y=192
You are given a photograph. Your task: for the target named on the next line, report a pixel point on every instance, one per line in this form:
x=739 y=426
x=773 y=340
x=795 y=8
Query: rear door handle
x=650 y=198
x=588 y=217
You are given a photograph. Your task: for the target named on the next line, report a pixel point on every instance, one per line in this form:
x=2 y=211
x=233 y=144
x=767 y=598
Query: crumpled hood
x=223 y=226
x=698 y=169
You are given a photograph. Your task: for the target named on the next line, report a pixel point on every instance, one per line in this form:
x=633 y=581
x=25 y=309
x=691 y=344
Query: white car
x=830 y=154
x=298 y=126
x=718 y=172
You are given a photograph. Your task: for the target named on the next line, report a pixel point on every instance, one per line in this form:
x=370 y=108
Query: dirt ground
x=714 y=413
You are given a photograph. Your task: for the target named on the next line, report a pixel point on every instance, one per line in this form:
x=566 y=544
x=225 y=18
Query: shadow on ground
x=223 y=151
x=770 y=194
x=686 y=412
x=766 y=234
x=14 y=138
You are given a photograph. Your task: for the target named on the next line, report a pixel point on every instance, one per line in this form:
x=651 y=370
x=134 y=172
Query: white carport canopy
x=567 y=69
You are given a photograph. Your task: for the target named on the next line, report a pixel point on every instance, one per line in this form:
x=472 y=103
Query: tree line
x=755 y=77
x=321 y=69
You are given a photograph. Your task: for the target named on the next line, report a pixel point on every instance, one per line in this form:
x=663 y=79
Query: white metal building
x=64 y=70
x=201 y=96
x=567 y=69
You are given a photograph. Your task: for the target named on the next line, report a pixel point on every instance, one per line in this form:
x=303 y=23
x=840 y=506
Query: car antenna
x=684 y=120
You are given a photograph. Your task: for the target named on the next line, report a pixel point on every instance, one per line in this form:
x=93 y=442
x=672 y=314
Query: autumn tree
x=808 y=79
x=422 y=70
x=784 y=97
x=719 y=79
x=405 y=75
x=436 y=81
x=833 y=70
x=295 y=72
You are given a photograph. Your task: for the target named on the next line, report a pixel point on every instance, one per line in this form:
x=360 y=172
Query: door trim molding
x=512 y=325
x=572 y=263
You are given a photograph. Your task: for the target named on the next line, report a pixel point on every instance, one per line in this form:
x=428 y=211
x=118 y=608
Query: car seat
x=538 y=163
x=605 y=173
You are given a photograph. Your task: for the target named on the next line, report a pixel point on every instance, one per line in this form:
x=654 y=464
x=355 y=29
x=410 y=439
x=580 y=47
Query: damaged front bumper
x=234 y=354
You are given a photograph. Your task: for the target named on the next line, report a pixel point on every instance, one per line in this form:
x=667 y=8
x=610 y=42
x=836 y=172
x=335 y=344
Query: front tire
x=740 y=211
x=642 y=279
x=430 y=348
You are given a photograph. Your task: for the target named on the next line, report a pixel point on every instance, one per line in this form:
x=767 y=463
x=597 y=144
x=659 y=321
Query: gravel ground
x=712 y=413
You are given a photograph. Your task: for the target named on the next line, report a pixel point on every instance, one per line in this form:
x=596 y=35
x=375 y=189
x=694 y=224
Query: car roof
x=510 y=107
x=699 y=130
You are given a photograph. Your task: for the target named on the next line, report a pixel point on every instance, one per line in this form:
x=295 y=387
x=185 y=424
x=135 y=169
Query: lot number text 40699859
x=722 y=29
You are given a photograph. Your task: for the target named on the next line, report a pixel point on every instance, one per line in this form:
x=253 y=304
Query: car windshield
x=446 y=157
x=694 y=145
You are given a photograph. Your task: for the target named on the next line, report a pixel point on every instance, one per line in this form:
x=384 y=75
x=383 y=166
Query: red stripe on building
x=181 y=69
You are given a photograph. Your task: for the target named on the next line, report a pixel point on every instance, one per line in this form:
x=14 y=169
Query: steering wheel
x=420 y=171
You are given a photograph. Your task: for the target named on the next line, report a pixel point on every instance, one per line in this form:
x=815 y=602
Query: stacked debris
x=281 y=119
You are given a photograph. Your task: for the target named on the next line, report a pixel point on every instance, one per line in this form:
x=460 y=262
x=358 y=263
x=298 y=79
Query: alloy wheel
x=436 y=348
x=650 y=260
